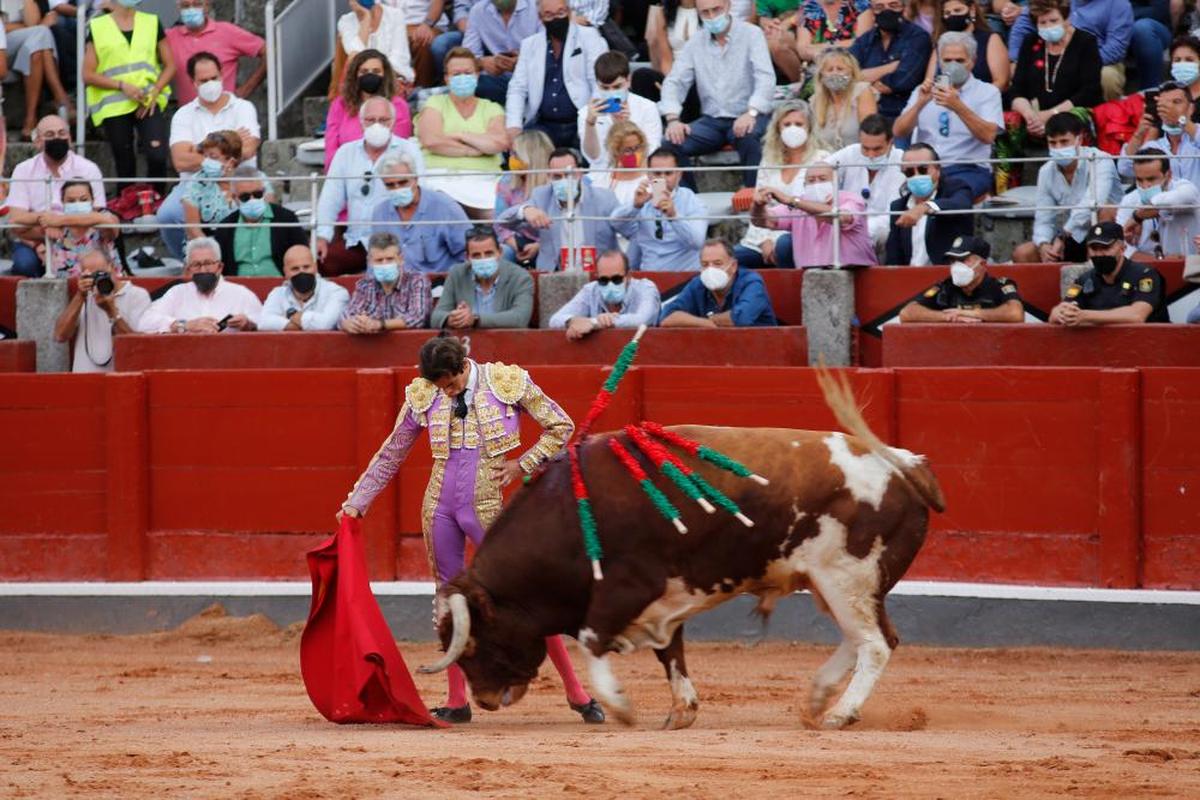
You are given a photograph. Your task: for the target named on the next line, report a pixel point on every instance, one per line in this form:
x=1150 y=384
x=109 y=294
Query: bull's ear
x=469 y=650
x=479 y=599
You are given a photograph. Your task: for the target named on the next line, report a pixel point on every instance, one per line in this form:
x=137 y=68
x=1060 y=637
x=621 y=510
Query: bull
x=843 y=518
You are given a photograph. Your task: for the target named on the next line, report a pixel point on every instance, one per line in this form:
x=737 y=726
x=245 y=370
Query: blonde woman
x=788 y=148
x=530 y=151
x=841 y=99
x=626 y=146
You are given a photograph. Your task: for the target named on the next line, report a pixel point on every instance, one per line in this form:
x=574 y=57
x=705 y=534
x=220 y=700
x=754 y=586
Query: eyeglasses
x=615 y=280
x=205 y=263
x=257 y=194
x=944 y=123
x=910 y=171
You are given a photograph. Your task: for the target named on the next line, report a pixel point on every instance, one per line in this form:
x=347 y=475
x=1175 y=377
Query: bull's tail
x=840 y=399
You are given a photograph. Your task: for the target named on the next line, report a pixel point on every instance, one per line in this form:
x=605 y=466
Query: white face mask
x=961 y=274
x=793 y=136
x=818 y=192
x=714 y=278
x=210 y=91
x=377 y=135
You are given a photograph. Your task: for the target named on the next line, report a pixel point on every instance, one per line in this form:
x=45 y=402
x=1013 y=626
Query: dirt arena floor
x=217 y=709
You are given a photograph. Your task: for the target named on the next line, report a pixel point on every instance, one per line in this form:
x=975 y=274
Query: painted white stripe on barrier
x=986 y=591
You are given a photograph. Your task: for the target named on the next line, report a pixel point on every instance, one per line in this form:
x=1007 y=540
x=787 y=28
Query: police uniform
x=1135 y=282
x=990 y=293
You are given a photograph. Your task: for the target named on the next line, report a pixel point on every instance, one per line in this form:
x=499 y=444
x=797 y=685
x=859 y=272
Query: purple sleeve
x=386 y=463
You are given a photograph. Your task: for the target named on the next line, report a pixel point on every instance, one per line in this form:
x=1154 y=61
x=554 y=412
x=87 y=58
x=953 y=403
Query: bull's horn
x=460 y=618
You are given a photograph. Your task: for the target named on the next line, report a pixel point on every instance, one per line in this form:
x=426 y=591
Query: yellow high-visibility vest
x=134 y=62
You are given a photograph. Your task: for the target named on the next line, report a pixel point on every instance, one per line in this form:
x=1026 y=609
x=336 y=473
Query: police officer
x=970 y=294
x=1115 y=290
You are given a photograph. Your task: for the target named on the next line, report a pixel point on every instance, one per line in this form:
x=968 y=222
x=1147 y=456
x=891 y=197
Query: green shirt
x=252 y=248
x=776 y=8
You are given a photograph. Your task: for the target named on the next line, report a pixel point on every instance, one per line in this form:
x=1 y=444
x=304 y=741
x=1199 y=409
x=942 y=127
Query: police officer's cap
x=964 y=246
x=1105 y=234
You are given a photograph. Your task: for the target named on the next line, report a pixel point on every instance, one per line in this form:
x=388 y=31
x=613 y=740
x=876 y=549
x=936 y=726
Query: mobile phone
x=942 y=80
x=658 y=190
x=1151 y=107
x=224 y=323
x=612 y=106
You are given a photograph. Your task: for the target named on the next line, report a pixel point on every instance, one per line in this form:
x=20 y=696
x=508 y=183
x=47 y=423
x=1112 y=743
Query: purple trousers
x=455 y=519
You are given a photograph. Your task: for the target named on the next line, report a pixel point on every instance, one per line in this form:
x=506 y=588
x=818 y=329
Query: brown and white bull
x=843 y=517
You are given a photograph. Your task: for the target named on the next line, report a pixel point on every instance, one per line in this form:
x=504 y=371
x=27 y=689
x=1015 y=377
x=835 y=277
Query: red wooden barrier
x=8 y=302
x=783 y=285
x=18 y=356
x=730 y=346
x=1060 y=476
x=933 y=345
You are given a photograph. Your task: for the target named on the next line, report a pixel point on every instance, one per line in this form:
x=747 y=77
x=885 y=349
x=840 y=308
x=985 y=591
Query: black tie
x=460 y=405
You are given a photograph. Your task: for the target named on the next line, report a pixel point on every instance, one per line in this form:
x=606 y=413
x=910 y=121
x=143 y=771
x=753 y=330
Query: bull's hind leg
x=684 y=701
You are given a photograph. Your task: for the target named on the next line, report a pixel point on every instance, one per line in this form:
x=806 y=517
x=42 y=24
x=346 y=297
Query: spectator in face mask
x=205 y=302
x=969 y=294
x=665 y=220
x=1116 y=290
x=723 y=295
x=612 y=104
x=428 y=223
x=305 y=301
x=960 y=115
x=201 y=31
x=367 y=75
x=486 y=291
x=920 y=232
x=74 y=233
x=892 y=55
x=28 y=199
x=105 y=303
x=615 y=299
x=1161 y=216
x=255 y=236
x=389 y=297
x=208 y=197
x=1173 y=116
x=841 y=100
x=494 y=33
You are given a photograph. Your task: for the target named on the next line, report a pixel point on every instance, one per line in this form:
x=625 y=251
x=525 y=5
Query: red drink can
x=588 y=258
x=146 y=200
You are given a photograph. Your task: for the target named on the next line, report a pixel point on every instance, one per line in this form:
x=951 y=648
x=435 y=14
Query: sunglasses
x=615 y=280
x=365 y=189
x=910 y=171
x=257 y=194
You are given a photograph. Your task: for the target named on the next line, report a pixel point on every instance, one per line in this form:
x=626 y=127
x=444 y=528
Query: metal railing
x=301 y=41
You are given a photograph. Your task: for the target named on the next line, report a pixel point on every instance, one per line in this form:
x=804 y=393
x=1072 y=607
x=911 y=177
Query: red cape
x=352 y=669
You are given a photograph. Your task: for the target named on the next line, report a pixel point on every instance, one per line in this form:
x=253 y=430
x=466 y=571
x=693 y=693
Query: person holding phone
x=666 y=222
x=612 y=103
x=1170 y=112
x=204 y=300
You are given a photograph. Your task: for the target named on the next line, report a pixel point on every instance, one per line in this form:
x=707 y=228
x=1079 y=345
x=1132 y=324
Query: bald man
x=305 y=301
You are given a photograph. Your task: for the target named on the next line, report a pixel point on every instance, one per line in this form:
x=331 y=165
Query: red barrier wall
x=729 y=346
x=16 y=356
x=1158 y=345
x=1058 y=476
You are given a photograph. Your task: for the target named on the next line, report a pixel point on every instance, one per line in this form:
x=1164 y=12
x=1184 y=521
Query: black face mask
x=956 y=22
x=557 y=28
x=206 y=281
x=57 y=149
x=370 y=83
x=888 y=21
x=303 y=282
x=1105 y=265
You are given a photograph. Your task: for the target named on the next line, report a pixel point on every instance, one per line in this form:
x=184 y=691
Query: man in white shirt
x=1162 y=214
x=206 y=303
x=871 y=169
x=960 y=115
x=305 y=301
x=612 y=103
x=214 y=109
x=353 y=185
x=1066 y=180
x=105 y=304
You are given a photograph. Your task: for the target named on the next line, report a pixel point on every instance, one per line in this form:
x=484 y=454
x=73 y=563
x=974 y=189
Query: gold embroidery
x=420 y=394
x=439 y=431
x=507 y=382
x=488 y=500
x=433 y=491
x=557 y=427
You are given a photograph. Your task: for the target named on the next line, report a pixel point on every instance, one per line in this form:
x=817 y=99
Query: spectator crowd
x=469 y=142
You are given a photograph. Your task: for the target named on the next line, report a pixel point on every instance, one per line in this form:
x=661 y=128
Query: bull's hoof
x=836 y=720
x=680 y=718
x=622 y=709
x=454 y=714
x=591 y=711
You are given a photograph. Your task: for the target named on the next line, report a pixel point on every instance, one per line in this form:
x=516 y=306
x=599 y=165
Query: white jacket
x=582 y=48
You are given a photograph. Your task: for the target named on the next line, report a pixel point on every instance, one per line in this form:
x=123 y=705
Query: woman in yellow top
x=462 y=133
x=127 y=66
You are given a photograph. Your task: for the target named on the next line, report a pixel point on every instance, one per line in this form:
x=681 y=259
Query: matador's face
x=454 y=385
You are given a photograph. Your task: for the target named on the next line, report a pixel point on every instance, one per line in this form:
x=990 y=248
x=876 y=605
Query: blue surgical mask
x=386 y=273
x=463 y=85
x=876 y=162
x=1063 y=156
x=402 y=197
x=1149 y=193
x=211 y=168
x=1052 y=34
x=78 y=207
x=920 y=185
x=1172 y=130
x=1185 y=72
x=192 y=17
x=565 y=188
x=130 y=3
x=717 y=25
x=484 y=268
x=254 y=208
x=613 y=294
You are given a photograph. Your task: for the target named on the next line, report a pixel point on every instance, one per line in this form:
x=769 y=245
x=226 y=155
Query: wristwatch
x=289 y=313
x=753 y=113
x=179 y=326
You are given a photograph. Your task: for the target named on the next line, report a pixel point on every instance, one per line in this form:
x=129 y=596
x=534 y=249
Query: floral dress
x=824 y=30
x=209 y=197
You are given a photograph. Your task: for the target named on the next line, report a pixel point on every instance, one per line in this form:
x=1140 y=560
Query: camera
x=103 y=282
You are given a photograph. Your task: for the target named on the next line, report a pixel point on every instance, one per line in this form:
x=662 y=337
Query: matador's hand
x=506 y=473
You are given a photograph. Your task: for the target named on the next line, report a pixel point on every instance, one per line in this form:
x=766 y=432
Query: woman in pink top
x=805 y=217
x=368 y=73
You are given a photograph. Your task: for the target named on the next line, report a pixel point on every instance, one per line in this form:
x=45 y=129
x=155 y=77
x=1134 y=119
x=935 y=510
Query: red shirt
x=224 y=40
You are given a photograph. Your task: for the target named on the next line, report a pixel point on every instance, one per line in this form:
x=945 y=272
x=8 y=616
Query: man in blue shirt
x=893 y=56
x=431 y=227
x=1111 y=22
x=666 y=221
x=723 y=295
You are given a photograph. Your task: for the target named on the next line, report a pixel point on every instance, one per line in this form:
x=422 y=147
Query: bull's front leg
x=684 y=701
x=596 y=648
